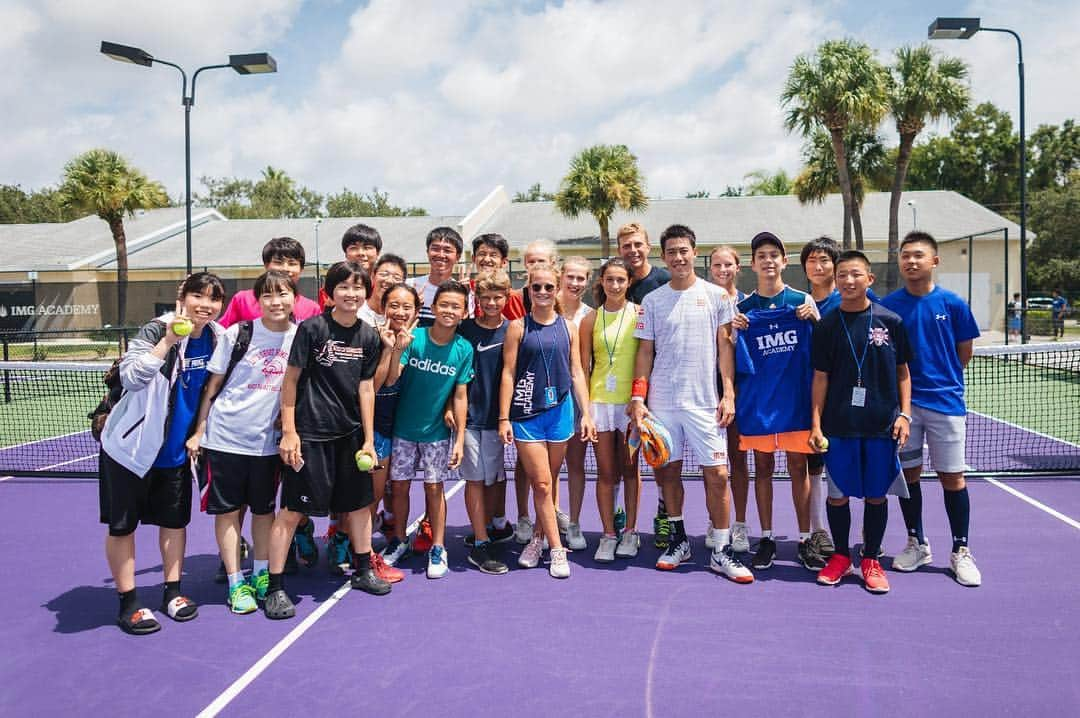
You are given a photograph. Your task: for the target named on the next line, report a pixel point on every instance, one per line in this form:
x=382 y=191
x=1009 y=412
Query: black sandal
x=139 y=623
x=180 y=609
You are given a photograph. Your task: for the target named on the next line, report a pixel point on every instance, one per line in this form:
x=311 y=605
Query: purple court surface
x=621 y=639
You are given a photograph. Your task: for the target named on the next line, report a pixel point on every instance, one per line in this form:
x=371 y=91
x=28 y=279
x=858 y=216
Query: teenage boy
x=776 y=416
x=281 y=254
x=436 y=364
x=444 y=248
x=491 y=253
x=672 y=323
x=1059 y=307
x=942 y=326
x=861 y=412
x=482 y=464
x=360 y=244
x=327 y=415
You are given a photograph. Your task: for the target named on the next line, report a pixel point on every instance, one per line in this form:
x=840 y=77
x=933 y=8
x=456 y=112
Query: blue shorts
x=383 y=445
x=862 y=467
x=553 y=425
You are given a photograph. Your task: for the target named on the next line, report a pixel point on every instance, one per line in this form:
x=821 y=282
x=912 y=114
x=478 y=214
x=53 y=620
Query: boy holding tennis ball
x=861 y=401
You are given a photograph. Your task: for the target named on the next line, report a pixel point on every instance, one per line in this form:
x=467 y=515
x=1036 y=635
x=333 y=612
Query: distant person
x=1058 y=309
x=281 y=254
x=1016 y=315
x=361 y=244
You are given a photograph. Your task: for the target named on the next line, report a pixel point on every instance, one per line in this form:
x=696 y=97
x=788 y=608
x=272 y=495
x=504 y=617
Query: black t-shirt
x=334 y=360
x=487 y=347
x=657 y=277
x=886 y=346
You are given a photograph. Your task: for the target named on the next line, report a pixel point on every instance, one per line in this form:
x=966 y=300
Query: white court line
x=1024 y=428
x=54 y=466
x=1037 y=504
x=281 y=646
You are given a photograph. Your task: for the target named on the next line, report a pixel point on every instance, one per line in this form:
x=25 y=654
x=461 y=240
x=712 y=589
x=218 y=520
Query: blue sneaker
x=304 y=543
x=242 y=599
x=260 y=582
x=338 y=554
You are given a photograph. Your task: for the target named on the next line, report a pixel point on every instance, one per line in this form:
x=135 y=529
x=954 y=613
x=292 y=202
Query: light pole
x=962 y=28
x=318 y=282
x=914 y=216
x=250 y=64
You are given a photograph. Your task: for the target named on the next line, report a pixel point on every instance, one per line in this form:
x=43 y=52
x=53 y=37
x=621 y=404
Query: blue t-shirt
x=185 y=399
x=787 y=297
x=487 y=347
x=1057 y=306
x=776 y=398
x=935 y=324
x=832 y=301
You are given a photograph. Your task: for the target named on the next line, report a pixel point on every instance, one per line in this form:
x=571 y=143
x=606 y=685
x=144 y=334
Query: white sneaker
x=964 y=569
x=628 y=545
x=575 y=540
x=559 y=567
x=913 y=556
x=605 y=551
x=710 y=540
x=523 y=531
x=530 y=555
x=436 y=562
x=740 y=540
x=674 y=556
x=723 y=562
x=562 y=520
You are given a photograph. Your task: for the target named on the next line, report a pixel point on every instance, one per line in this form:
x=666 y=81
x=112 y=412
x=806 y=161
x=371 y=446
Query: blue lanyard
x=859 y=359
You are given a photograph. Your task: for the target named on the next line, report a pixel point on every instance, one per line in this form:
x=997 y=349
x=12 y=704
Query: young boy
x=327 y=415
x=861 y=412
x=942 y=326
x=773 y=409
x=491 y=253
x=482 y=464
x=444 y=248
x=435 y=365
x=360 y=244
x=144 y=466
x=281 y=254
x=235 y=437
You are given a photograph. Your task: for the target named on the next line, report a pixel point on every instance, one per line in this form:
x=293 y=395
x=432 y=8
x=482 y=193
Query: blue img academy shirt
x=935 y=324
x=776 y=397
x=186 y=393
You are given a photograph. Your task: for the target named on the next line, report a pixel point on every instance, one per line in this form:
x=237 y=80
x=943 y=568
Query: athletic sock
x=678 y=531
x=875 y=516
x=661 y=508
x=172 y=590
x=618 y=488
x=766 y=533
x=128 y=602
x=958 y=508
x=499 y=522
x=817 y=503
x=277 y=582
x=363 y=561
x=258 y=565
x=840 y=526
x=912 y=510
x=235 y=579
x=722 y=537
x=803 y=536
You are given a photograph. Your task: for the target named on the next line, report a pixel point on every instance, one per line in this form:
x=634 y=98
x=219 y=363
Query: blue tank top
x=776 y=397
x=542 y=378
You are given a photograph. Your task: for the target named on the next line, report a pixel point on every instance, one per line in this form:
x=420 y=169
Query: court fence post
x=7 y=374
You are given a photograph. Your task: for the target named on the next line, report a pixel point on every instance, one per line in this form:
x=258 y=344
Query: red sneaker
x=873 y=576
x=423 y=540
x=835 y=570
x=386 y=573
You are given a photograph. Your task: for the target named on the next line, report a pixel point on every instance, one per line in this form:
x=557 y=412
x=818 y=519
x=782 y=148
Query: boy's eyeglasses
x=390 y=275
x=542 y=287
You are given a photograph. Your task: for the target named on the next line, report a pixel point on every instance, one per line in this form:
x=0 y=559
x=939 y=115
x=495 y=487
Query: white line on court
x=1037 y=504
x=292 y=636
x=54 y=466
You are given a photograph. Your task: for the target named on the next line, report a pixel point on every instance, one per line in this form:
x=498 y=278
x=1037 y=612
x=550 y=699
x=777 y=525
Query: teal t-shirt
x=429 y=373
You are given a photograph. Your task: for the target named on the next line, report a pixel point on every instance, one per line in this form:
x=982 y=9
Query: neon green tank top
x=614 y=348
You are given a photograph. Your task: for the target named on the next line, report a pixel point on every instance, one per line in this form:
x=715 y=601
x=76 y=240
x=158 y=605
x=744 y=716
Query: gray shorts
x=484 y=457
x=430 y=458
x=943 y=434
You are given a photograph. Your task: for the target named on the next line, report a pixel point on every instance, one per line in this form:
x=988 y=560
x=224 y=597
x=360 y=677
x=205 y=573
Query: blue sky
x=439 y=102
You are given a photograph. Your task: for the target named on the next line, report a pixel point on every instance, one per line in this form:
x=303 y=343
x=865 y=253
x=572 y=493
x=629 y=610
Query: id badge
x=551 y=397
x=858 y=396
x=609 y=383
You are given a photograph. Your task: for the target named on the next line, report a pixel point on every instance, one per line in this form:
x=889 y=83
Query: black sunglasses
x=543 y=287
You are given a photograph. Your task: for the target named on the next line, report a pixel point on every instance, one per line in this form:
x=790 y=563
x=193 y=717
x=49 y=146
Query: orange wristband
x=639 y=389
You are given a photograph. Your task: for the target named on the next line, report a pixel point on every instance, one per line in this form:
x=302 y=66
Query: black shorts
x=230 y=481
x=161 y=498
x=328 y=480
x=815 y=463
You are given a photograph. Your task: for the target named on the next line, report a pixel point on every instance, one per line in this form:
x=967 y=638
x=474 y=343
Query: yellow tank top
x=614 y=348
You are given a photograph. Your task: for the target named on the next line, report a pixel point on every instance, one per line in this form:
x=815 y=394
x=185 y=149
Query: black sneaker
x=501 y=535
x=368 y=582
x=766 y=552
x=809 y=557
x=481 y=557
x=278 y=605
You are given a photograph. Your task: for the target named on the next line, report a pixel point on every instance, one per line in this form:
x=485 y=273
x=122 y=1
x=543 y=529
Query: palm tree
x=103 y=183
x=920 y=90
x=602 y=178
x=867 y=163
x=766 y=183
x=842 y=85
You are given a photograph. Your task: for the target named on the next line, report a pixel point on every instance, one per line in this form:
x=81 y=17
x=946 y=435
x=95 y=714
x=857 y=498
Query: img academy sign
x=48 y=310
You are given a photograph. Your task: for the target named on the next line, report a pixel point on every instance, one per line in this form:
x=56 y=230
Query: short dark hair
x=342 y=272
x=394 y=260
x=283 y=248
x=823 y=244
x=919 y=236
x=854 y=255
x=273 y=281
x=199 y=283
x=361 y=234
x=445 y=234
x=493 y=240
x=677 y=231
x=451 y=286
x=417 y=303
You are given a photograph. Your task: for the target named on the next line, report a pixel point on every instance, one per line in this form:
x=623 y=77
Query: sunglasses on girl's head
x=543 y=288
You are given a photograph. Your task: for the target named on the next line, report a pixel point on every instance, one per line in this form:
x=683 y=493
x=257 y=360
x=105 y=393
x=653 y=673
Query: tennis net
x=1023 y=415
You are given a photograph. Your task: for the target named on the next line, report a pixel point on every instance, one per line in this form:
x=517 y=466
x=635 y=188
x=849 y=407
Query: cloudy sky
x=438 y=102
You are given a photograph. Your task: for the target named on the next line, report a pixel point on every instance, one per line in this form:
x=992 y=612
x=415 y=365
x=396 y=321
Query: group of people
x=289 y=408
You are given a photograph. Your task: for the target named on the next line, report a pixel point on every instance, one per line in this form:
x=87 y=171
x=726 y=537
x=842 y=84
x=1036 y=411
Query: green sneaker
x=260 y=584
x=661 y=531
x=242 y=599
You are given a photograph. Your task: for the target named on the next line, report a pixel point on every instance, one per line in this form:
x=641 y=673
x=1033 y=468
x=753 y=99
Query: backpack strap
x=243 y=340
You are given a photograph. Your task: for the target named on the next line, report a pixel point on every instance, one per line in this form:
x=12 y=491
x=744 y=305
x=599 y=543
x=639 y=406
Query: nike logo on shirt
x=482 y=348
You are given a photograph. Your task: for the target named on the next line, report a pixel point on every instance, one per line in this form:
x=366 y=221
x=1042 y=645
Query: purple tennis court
x=617 y=639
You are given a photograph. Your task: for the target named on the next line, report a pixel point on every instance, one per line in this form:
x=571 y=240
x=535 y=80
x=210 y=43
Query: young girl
x=724 y=271
x=575 y=280
x=144 y=469
x=541 y=365
x=608 y=349
x=235 y=439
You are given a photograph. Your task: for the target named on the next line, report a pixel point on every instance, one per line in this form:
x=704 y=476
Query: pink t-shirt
x=245 y=305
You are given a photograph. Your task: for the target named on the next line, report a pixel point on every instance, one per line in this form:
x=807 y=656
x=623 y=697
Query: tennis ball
x=364 y=462
x=823 y=445
x=182 y=326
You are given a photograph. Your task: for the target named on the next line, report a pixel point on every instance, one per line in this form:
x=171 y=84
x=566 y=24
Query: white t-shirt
x=426 y=290
x=582 y=312
x=243 y=415
x=366 y=314
x=683 y=325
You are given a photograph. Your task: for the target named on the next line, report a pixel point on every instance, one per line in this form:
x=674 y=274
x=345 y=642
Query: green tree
x=535 y=193
x=602 y=178
x=1054 y=155
x=843 y=84
x=102 y=182
x=41 y=205
x=763 y=182
x=1054 y=257
x=275 y=195
x=375 y=204
x=228 y=195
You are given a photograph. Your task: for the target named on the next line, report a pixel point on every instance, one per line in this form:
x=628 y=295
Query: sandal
x=139 y=623
x=278 y=605
x=180 y=609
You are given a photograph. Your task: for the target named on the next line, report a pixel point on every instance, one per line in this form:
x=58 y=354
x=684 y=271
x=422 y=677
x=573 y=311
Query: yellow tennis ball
x=182 y=327
x=823 y=445
x=364 y=462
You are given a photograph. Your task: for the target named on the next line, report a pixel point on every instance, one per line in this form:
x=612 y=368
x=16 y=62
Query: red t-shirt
x=514 y=308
